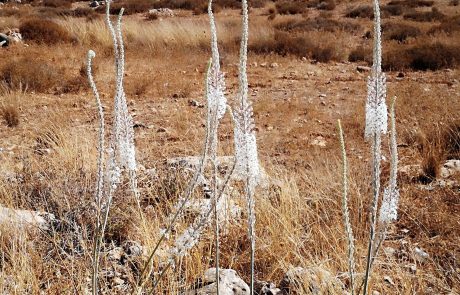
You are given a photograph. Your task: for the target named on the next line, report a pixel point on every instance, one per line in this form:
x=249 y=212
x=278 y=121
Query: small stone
x=388 y=280
x=274 y=65
x=420 y=255
x=161 y=130
x=263 y=65
x=322 y=95
x=400 y=75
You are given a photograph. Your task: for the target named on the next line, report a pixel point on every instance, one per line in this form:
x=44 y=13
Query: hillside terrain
x=308 y=65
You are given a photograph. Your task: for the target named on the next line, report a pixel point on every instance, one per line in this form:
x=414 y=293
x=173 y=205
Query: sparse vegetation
x=300 y=84
x=32 y=72
x=363 y=11
x=290 y=7
x=400 y=32
x=426 y=16
x=44 y=31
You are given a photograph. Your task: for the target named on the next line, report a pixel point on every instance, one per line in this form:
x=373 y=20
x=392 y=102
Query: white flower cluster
x=389 y=208
x=376 y=108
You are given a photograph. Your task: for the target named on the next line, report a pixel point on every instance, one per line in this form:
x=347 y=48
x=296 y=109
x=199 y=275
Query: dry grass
x=400 y=32
x=290 y=7
x=426 y=16
x=34 y=73
x=44 y=32
x=423 y=57
x=52 y=153
x=362 y=11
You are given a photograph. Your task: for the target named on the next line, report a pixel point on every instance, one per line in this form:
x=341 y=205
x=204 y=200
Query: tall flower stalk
x=121 y=151
x=376 y=125
x=345 y=212
x=248 y=167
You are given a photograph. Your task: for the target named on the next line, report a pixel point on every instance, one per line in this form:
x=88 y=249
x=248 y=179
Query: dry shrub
x=412 y=3
x=32 y=72
x=362 y=11
x=450 y=139
x=203 y=9
x=423 y=57
x=290 y=7
x=399 y=32
x=393 y=10
x=426 y=16
x=44 y=31
x=57 y=3
x=448 y=25
x=131 y=7
x=10 y=114
x=299 y=45
x=431 y=167
x=13 y=11
x=317 y=24
x=454 y=2
x=361 y=53
x=283 y=43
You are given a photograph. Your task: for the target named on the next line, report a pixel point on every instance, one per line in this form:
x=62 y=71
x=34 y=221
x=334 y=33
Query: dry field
x=303 y=76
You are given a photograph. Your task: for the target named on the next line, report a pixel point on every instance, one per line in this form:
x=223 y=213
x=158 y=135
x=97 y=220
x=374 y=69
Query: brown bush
x=290 y=7
x=450 y=140
x=30 y=72
x=363 y=11
x=393 y=10
x=299 y=45
x=412 y=3
x=57 y=3
x=203 y=9
x=130 y=7
x=431 y=167
x=13 y=11
x=317 y=24
x=283 y=44
x=399 y=32
x=427 y=16
x=44 y=31
x=423 y=57
x=454 y=2
x=448 y=26
x=361 y=53
x=10 y=114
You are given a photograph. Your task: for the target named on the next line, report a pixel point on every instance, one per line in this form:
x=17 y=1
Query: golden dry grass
x=52 y=154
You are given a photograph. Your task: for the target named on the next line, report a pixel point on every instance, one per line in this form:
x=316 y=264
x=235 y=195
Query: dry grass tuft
x=400 y=32
x=448 y=26
x=10 y=114
x=34 y=73
x=423 y=57
x=361 y=53
x=362 y=11
x=290 y=7
x=317 y=24
x=426 y=16
x=412 y=3
x=57 y=3
x=44 y=31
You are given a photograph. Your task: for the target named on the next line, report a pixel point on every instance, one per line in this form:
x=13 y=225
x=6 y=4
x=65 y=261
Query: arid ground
x=307 y=67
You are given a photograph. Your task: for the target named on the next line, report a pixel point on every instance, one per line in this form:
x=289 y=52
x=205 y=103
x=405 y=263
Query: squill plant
x=121 y=151
x=217 y=105
x=247 y=167
x=216 y=108
x=345 y=212
x=376 y=125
